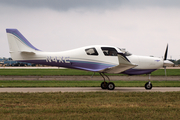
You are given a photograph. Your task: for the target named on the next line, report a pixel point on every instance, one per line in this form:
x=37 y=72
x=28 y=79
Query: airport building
x=9 y=62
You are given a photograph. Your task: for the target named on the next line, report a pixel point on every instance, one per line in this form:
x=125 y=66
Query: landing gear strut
x=105 y=85
x=148 y=85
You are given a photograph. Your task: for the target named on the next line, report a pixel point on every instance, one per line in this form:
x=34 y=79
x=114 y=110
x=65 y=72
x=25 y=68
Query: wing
x=124 y=64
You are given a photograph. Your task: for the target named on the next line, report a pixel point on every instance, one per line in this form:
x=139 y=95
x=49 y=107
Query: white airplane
x=97 y=58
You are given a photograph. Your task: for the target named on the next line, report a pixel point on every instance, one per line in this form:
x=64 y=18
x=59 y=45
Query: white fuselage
x=71 y=58
x=96 y=58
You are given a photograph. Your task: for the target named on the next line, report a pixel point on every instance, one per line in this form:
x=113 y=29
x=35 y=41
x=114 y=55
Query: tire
x=110 y=86
x=148 y=86
x=104 y=85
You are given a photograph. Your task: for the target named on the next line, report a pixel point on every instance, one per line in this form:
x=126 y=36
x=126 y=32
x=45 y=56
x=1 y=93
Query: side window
x=91 y=51
x=109 y=51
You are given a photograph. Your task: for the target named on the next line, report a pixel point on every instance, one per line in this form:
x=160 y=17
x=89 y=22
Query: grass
x=54 y=83
x=42 y=72
x=90 y=105
x=170 y=72
x=70 y=72
x=96 y=105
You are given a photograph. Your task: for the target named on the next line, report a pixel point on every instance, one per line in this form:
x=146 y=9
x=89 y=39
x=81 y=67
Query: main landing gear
x=105 y=85
x=148 y=85
x=111 y=86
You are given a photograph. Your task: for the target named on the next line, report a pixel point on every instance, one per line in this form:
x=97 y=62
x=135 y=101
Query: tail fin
x=18 y=44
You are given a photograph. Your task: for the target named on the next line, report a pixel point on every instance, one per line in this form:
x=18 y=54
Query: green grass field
x=90 y=105
x=96 y=106
x=70 y=72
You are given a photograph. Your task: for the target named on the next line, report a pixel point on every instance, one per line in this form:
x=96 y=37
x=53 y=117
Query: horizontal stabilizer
x=31 y=52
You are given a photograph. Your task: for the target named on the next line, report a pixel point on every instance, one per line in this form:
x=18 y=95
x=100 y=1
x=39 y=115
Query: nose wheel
x=148 y=85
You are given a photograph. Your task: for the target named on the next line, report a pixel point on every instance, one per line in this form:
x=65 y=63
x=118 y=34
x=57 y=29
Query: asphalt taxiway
x=89 y=89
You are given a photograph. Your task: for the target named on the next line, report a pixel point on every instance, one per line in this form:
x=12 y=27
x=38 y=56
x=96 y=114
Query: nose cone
x=167 y=63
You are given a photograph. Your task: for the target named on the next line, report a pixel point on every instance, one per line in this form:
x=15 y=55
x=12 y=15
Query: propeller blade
x=167 y=63
x=165 y=55
x=165 y=58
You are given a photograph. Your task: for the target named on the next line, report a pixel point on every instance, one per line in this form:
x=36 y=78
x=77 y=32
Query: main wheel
x=148 y=86
x=110 y=86
x=104 y=85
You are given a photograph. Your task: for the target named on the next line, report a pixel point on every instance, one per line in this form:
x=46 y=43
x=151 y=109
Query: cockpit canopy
x=109 y=51
x=106 y=50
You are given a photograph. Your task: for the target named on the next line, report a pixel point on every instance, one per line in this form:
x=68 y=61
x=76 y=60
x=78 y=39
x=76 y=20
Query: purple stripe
x=83 y=65
x=21 y=37
x=138 y=71
x=89 y=66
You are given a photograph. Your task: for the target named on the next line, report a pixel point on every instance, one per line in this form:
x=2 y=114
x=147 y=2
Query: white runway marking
x=89 y=89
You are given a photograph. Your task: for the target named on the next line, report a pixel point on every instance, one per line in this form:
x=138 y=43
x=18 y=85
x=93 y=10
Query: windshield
x=126 y=53
x=109 y=51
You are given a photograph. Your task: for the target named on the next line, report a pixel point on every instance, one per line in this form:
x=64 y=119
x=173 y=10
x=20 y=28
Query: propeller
x=165 y=58
x=166 y=62
x=165 y=55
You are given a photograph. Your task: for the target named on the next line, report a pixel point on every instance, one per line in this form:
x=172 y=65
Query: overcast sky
x=143 y=27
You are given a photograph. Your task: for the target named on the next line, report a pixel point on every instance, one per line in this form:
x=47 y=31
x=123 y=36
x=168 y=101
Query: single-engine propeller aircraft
x=97 y=58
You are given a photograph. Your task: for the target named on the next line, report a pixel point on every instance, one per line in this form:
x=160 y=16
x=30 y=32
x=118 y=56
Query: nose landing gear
x=148 y=85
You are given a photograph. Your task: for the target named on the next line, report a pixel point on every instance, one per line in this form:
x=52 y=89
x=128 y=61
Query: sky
x=142 y=27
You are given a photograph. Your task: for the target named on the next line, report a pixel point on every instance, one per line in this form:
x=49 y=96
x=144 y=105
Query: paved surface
x=89 y=89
